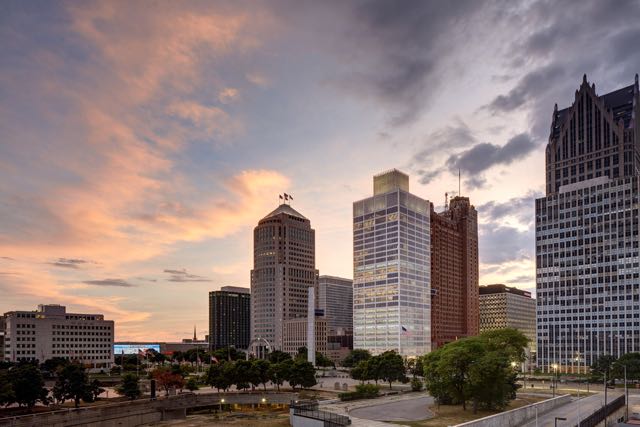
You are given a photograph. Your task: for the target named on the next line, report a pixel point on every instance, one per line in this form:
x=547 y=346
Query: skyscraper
x=454 y=272
x=587 y=264
x=391 y=269
x=229 y=318
x=283 y=269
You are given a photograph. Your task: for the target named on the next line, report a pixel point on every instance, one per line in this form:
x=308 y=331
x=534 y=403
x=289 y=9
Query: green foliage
x=363 y=391
x=243 y=374
x=260 y=372
x=27 y=386
x=359 y=372
x=355 y=357
x=602 y=366
x=632 y=362
x=167 y=378
x=322 y=360
x=302 y=373
x=52 y=365
x=390 y=367
x=192 y=384
x=279 y=372
x=129 y=387
x=227 y=354
x=476 y=369
x=416 y=384
x=73 y=384
x=278 y=356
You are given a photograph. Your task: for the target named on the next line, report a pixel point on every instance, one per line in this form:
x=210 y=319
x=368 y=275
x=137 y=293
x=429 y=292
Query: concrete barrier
x=517 y=416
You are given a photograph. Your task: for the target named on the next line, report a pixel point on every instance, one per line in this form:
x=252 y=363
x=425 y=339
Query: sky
x=141 y=142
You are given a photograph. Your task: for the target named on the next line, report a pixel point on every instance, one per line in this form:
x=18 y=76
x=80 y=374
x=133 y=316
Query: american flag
x=405 y=331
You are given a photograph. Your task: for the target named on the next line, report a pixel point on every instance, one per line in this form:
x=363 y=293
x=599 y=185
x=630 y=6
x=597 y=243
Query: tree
x=261 y=372
x=154 y=356
x=508 y=340
x=228 y=354
x=391 y=367
x=7 y=397
x=632 y=362
x=28 y=385
x=52 y=365
x=73 y=384
x=192 y=384
x=167 y=379
x=359 y=372
x=302 y=373
x=322 y=360
x=217 y=378
x=492 y=382
x=302 y=353
x=279 y=372
x=244 y=374
x=129 y=387
x=278 y=356
x=602 y=366
x=355 y=357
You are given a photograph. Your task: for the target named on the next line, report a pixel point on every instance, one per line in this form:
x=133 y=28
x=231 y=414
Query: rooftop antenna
x=459 y=186
x=446 y=201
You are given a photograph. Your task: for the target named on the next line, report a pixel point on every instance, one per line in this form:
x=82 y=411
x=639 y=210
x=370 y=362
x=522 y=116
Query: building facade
x=507 y=307
x=52 y=332
x=587 y=264
x=391 y=263
x=335 y=299
x=2 y=328
x=283 y=270
x=295 y=335
x=454 y=272
x=230 y=318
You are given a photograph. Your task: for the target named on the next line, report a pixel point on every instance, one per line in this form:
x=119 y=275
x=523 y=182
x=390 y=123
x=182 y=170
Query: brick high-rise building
x=587 y=255
x=283 y=270
x=229 y=318
x=454 y=272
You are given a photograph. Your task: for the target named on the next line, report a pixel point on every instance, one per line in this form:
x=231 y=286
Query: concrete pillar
x=311 y=326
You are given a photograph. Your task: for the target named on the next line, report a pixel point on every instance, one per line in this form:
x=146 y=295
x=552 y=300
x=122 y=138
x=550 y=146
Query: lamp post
x=513 y=366
x=626 y=393
x=554 y=381
x=555 y=420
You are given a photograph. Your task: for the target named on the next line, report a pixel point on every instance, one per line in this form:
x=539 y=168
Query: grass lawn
x=449 y=415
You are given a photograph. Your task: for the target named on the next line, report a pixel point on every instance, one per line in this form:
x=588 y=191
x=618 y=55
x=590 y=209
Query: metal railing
x=309 y=409
x=599 y=416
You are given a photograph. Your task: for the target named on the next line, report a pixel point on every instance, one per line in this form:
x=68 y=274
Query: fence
x=309 y=409
x=599 y=416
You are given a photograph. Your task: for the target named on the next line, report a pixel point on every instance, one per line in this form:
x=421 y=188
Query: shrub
x=363 y=391
x=416 y=384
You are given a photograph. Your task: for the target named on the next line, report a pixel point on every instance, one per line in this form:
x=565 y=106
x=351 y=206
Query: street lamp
x=555 y=421
x=554 y=381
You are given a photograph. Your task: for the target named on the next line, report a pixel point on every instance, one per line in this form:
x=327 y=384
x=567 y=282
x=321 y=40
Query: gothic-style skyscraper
x=587 y=263
x=283 y=270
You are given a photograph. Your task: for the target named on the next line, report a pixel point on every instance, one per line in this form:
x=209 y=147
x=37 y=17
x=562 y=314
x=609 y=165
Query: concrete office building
x=587 y=263
x=230 y=318
x=391 y=263
x=454 y=272
x=2 y=328
x=52 y=332
x=283 y=270
x=295 y=335
x=507 y=307
x=335 y=299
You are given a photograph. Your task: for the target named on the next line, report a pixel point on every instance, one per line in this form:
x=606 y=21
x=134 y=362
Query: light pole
x=513 y=366
x=626 y=393
x=555 y=420
x=554 y=382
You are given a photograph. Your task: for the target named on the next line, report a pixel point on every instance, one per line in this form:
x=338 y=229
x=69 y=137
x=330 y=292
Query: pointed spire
x=584 y=78
x=195 y=337
x=555 y=108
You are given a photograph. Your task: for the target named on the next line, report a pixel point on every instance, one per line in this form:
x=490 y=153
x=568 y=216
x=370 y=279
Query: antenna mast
x=459 y=187
x=446 y=201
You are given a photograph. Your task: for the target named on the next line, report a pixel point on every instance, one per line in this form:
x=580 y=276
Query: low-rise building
x=50 y=332
x=295 y=335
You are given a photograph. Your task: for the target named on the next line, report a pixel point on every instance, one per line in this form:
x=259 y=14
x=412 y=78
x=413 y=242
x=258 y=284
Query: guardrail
x=309 y=409
x=599 y=416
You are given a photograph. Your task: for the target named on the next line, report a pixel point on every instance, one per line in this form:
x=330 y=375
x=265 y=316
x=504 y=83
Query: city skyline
x=140 y=146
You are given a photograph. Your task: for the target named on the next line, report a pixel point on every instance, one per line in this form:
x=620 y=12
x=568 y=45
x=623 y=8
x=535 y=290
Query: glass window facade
x=391 y=286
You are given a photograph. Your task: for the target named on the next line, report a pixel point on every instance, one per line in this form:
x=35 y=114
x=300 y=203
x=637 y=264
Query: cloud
x=521 y=208
x=483 y=156
x=228 y=95
x=183 y=276
x=69 y=263
x=109 y=282
x=524 y=278
x=501 y=244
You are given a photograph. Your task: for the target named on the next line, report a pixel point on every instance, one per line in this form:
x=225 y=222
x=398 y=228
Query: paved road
x=573 y=411
x=403 y=410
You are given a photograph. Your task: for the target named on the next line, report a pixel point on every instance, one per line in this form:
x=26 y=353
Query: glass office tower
x=391 y=263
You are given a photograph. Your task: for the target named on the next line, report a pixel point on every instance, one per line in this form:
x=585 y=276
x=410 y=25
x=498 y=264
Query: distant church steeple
x=195 y=338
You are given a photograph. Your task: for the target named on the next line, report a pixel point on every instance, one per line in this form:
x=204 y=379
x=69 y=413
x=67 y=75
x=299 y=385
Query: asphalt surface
x=573 y=411
x=403 y=410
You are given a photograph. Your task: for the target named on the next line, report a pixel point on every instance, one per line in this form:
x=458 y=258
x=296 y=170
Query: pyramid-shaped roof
x=284 y=208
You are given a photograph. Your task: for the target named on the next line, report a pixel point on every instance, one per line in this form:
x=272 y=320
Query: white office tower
x=391 y=269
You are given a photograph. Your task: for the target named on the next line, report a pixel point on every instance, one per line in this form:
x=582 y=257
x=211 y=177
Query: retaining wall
x=517 y=416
